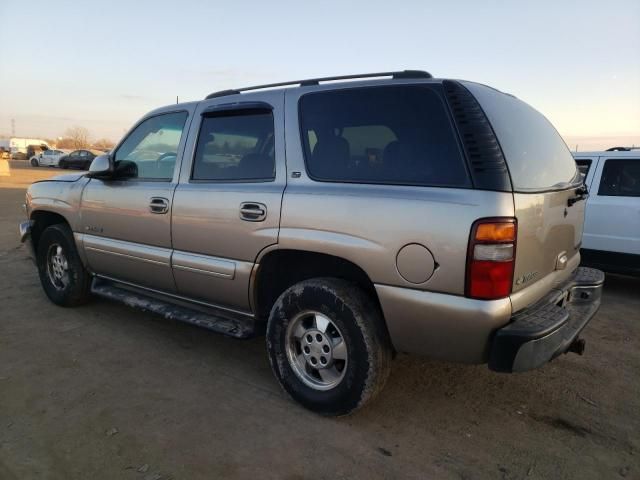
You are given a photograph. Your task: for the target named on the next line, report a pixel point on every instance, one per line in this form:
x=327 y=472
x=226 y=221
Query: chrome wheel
x=57 y=267
x=316 y=350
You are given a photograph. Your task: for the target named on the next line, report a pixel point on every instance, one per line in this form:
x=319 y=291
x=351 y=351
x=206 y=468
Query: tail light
x=491 y=258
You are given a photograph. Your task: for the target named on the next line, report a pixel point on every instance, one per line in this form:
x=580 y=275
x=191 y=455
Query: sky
x=103 y=65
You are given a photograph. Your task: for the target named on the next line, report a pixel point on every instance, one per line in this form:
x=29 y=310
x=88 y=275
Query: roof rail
x=316 y=81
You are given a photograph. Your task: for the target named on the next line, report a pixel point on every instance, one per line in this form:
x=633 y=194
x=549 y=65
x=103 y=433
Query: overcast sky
x=104 y=64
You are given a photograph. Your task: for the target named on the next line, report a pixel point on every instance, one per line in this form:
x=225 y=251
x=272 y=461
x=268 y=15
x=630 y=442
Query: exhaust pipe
x=577 y=346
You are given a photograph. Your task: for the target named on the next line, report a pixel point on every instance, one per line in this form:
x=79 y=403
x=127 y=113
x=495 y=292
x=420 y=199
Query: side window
x=584 y=164
x=83 y=153
x=236 y=147
x=620 y=178
x=151 y=150
x=397 y=135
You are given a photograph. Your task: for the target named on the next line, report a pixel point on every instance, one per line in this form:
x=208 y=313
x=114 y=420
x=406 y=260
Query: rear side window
x=537 y=157
x=236 y=147
x=396 y=135
x=620 y=178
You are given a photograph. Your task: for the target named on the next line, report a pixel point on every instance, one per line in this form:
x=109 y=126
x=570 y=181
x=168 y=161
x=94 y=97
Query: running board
x=226 y=323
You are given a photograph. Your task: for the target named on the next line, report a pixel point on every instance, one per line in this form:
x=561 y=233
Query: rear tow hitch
x=577 y=346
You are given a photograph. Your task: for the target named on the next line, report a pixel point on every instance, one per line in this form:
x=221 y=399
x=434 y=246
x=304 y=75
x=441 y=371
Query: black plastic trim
x=614 y=262
x=402 y=74
x=242 y=108
x=545 y=330
x=481 y=147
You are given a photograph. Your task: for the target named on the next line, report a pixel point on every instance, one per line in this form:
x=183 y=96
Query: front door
x=227 y=205
x=612 y=221
x=126 y=221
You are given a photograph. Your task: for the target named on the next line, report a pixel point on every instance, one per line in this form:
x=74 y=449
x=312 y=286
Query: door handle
x=159 y=205
x=253 y=211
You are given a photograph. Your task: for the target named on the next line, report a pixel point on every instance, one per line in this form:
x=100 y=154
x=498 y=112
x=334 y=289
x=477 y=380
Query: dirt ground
x=104 y=391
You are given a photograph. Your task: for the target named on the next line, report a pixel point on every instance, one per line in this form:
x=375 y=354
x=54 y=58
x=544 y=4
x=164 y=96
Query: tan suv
x=351 y=220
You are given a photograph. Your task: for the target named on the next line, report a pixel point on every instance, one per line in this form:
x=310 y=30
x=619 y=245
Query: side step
x=227 y=323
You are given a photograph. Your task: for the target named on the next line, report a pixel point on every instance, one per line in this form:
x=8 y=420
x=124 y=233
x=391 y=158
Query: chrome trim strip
x=179 y=297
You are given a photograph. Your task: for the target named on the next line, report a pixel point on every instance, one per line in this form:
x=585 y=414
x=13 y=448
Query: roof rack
x=316 y=81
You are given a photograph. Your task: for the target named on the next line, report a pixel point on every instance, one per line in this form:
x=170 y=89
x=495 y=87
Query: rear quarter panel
x=368 y=224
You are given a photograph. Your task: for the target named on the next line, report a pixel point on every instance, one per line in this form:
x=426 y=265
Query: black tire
x=360 y=325
x=74 y=287
x=63 y=165
x=34 y=162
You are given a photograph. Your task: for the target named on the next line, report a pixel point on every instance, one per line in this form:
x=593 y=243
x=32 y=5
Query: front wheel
x=34 y=162
x=328 y=345
x=62 y=274
x=63 y=165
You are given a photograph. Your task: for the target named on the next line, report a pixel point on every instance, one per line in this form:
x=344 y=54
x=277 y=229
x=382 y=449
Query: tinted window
x=620 y=178
x=237 y=146
x=583 y=167
x=399 y=135
x=151 y=149
x=537 y=157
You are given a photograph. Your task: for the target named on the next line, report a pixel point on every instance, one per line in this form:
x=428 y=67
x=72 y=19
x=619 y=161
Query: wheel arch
x=41 y=220
x=278 y=269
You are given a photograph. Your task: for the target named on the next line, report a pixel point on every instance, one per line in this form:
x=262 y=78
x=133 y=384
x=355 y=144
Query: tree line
x=78 y=137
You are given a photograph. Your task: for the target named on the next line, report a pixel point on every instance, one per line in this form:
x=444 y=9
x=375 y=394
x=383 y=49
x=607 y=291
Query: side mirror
x=101 y=167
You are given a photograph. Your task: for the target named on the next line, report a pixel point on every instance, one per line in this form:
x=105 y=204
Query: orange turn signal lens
x=496 y=232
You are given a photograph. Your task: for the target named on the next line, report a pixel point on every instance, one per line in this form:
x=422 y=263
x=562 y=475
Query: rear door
x=226 y=207
x=547 y=201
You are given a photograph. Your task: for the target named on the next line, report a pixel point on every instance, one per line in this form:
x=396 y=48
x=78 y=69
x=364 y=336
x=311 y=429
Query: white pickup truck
x=611 y=239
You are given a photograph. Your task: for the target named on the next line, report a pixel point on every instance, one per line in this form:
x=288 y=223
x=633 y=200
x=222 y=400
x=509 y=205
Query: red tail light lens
x=491 y=258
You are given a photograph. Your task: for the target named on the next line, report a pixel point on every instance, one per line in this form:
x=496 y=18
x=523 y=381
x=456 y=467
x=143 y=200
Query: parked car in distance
x=413 y=214
x=611 y=239
x=48 y=158
x=78 y=159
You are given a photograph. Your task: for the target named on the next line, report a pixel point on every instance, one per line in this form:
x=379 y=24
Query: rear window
x=237 y=147
x=537 y=157
x=398 y=135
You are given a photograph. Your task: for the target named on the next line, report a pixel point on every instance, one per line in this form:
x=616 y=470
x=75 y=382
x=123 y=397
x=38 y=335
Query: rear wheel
x=62 y=274
x=328 y=346
x=34 y=162
x=63 y=165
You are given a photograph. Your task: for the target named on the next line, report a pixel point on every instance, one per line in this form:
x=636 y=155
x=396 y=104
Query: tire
x=64 y=278
x=342 y=386
x=63 y=165
x=34 y=162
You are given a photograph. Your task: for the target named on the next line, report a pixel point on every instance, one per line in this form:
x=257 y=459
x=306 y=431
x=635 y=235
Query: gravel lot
x=103 y=391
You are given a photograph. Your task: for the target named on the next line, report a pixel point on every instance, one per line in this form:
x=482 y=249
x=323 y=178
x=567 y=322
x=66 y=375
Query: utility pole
x=177 y=100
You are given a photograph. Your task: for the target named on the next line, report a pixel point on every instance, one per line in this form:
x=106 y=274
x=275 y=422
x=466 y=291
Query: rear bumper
x=543 y=331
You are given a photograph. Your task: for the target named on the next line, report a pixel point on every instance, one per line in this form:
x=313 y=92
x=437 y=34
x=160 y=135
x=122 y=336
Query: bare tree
x=103 y=144
x=78 y=136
